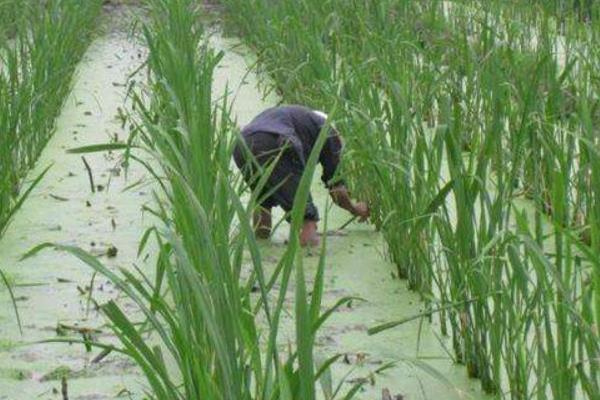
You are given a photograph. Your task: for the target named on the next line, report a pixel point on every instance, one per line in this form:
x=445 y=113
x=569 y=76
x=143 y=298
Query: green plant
x=39 y=51
x=457 y=116
x=40 y=45
x=203 y=332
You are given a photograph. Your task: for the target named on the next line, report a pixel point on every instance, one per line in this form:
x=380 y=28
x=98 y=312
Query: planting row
x=472 y=130
x=40 y=46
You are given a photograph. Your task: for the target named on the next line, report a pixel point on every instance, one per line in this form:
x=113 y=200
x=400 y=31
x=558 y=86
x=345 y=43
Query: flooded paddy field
x=57 y=295
x=191 y=305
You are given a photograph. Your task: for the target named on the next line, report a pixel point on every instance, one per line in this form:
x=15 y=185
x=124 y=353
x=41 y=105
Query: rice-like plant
x=204 y=332
x=471 y=129
x=40 y=46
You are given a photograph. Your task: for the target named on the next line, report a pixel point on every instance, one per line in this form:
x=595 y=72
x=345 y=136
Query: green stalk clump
x=471 y=128
x=40 y=47
x=205 y=333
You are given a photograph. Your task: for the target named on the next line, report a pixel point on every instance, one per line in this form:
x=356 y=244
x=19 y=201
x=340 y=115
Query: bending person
x=286 y=136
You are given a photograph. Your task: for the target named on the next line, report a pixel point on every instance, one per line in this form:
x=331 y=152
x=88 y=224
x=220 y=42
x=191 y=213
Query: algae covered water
x=56 y=295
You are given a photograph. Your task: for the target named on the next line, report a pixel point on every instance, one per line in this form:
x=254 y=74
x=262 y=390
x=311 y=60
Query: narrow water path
x=52 y=288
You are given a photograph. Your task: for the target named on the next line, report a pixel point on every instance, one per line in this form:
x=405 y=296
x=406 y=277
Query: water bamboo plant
x=40 y=46
x=210 y=314
x=471 y=129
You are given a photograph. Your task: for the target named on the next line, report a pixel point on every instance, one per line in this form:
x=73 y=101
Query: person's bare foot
x=308 y=235
x=262 y=223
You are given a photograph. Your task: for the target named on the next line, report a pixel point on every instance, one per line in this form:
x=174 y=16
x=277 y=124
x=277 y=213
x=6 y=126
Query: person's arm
x=341 y=197
x=330 y=159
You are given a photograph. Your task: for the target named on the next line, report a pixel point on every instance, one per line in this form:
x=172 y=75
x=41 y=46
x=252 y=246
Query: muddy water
x=52 y=288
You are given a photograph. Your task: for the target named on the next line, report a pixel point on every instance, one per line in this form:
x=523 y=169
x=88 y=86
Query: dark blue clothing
x=300 y=126
x=291 y=131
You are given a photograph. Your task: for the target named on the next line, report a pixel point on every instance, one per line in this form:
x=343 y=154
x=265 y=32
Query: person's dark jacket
x=300 y=127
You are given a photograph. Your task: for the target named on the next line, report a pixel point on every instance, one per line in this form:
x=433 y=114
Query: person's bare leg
x=262 y=223
x=308 y=234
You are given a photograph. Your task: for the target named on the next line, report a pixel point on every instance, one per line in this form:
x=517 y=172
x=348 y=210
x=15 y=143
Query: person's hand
x=308 y=235
x=361 y=210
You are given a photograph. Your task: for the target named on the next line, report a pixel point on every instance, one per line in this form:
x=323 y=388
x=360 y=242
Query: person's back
x=299 y=124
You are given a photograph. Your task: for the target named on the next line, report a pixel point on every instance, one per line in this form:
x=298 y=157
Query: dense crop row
x=472 y=129
x=584 y=10
x=40 y=45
